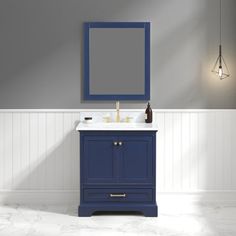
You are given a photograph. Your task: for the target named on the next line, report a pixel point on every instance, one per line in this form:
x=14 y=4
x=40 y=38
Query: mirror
x=117 y=61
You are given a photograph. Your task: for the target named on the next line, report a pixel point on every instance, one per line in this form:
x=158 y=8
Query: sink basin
x=117 y=126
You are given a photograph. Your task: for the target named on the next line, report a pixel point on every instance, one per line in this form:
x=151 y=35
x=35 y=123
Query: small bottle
x=148 y=114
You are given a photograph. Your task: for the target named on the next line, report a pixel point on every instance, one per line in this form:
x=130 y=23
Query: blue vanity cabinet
x=136 y=159
x=117 y=172
x=98 y=159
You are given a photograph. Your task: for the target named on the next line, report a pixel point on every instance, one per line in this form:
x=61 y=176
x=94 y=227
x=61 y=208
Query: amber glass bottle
x=148 y=114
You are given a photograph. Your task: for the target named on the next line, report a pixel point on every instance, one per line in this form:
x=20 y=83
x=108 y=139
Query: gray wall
x=41 y=51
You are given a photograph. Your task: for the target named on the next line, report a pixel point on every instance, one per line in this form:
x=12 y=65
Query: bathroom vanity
x=118 y=168
x=117 y=160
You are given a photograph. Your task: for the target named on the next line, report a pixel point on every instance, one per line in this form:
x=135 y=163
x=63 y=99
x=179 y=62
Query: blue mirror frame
x=87 y=94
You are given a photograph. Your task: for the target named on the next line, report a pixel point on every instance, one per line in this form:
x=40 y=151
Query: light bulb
x=220 y=72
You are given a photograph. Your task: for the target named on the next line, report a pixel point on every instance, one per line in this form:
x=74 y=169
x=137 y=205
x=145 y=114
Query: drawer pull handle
x=117 y=195
x=120 y=143
x=115 y=143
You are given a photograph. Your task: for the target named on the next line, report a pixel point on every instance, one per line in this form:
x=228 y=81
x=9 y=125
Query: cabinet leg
x=85 y=211
x=150 y=211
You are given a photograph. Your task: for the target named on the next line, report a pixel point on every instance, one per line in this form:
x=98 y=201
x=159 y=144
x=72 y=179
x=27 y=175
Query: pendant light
x=220 y=67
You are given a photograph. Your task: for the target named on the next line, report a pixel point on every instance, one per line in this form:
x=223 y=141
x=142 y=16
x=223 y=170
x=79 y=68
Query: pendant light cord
x=220 y=22
x=220 y=62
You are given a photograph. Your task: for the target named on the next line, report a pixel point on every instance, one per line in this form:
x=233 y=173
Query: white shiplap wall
x=39 y=153
x=196 y=151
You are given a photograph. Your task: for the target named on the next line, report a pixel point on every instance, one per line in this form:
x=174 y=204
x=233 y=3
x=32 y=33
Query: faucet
x=117 y=111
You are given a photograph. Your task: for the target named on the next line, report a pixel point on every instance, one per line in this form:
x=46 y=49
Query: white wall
x=39 y=154
x=39 y=151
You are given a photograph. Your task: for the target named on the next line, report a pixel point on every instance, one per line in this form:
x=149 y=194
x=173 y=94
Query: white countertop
x=117 y=126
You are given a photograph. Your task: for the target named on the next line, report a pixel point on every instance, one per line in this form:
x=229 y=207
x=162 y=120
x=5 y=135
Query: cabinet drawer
x=118 y=195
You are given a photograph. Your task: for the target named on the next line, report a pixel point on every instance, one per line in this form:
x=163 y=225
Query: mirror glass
x=116 y=61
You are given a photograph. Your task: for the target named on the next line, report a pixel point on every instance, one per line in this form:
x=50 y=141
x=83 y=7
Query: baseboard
x=40 y=197
x=198 y=197
x=73 y=197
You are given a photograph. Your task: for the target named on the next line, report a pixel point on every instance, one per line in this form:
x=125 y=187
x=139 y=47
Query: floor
x=174 y=220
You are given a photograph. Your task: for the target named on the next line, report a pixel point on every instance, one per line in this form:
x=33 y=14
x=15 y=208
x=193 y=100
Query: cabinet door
x=136 y=159
x=99 y=162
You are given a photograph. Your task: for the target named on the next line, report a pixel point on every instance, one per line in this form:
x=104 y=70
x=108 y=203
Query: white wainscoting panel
x=196 y=151
x=39 y=153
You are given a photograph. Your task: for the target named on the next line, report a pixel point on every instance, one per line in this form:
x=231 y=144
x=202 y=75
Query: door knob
x=120 y=143
x=115 y=143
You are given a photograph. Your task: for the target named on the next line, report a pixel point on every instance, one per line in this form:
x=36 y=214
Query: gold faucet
x=117 y=111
